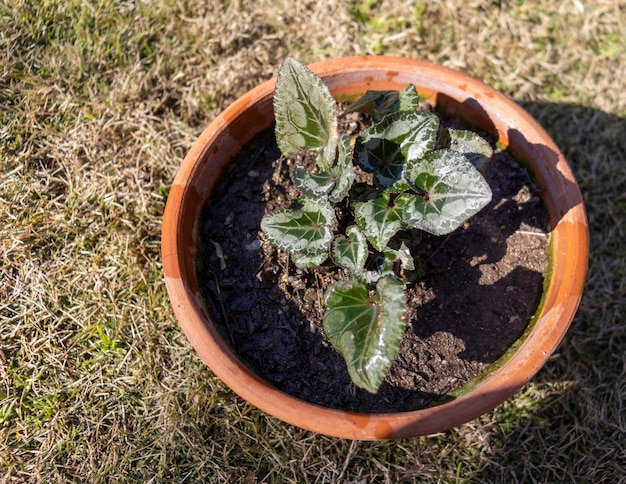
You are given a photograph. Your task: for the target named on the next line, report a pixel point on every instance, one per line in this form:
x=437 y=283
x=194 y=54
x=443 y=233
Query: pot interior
x=452 y=93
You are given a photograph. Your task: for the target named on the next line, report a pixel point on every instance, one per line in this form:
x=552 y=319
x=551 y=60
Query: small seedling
x=413 y=175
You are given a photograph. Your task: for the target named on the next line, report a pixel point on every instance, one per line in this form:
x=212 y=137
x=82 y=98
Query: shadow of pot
x=449 y=91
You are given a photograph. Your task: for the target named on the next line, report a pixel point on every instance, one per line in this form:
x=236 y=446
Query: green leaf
x=399 y=186
x=334 y=182
x=381 y=103
x=388 y=263
x=421 y=133
x=476 y=149
x=384 y=148
x=366 y=328
x=454 y=191
x=303 y=260
x=381 y=157
x=313 y=185
x=305 y=113
x=379 y=220
x=342 y=170
x=303 y=229
x=408 y=99
x=402 y=255
x=362 y=192
x=350 y=251
x=376 y=103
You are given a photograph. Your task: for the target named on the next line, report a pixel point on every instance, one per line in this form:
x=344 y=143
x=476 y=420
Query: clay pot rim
x=457 y=91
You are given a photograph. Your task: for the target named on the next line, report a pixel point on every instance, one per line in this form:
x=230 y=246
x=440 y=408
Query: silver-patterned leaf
x=408 y=99
x=384 y=148
x=454 y=191
x=305 y=113
x=389 y=263
x=472 y=145
x=383 y=158
x=333 y=183
x=313 y=185
x=301 y=229
x=379 y=220
x=350 y=251
x=402 y=255
x=305 y=260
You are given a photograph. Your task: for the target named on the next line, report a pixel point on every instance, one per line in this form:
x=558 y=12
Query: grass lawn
x=99 y=102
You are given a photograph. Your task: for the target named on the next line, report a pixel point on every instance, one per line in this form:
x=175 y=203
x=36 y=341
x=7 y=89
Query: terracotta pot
x=454 y=93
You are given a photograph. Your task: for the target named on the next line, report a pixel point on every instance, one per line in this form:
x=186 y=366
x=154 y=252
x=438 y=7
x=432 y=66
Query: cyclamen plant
x=422 y=177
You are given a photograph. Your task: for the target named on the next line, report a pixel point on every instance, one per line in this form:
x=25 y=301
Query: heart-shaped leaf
x=383 y=149
x=350 y=251
x=305 y=112
x=382 y=157
x=454 y=191
x=379 y=220
x=313 y=185
x=473 y=146
x=366 y=328
x=303 y=229
x=334 y=182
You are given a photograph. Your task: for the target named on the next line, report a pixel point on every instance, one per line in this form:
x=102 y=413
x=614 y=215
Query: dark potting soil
x=481 y=286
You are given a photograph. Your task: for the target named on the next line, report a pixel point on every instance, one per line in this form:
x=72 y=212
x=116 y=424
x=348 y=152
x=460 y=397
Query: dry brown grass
x=99 y=101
